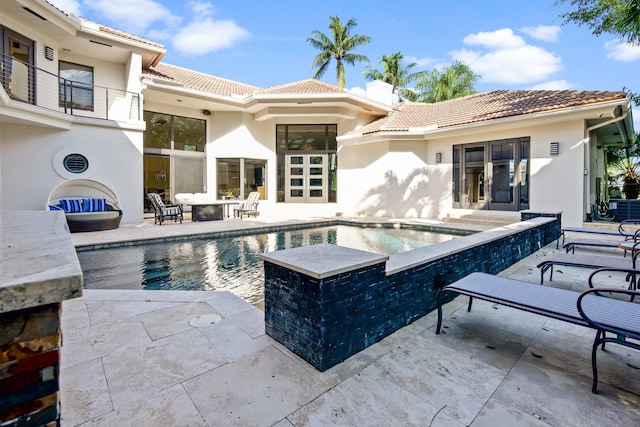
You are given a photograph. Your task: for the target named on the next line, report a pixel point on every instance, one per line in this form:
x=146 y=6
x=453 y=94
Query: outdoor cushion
x=93 y=216
x=94 y=205
x=71 y=205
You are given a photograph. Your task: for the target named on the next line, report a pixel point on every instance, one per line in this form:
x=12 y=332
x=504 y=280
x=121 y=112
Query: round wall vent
x=75 y=163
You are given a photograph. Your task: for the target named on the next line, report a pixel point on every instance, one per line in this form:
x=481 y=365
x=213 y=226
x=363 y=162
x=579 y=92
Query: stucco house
x=82 y=100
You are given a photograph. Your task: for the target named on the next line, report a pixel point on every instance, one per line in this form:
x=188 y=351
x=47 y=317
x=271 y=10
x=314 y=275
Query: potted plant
x=624 y=165
x=628 y=170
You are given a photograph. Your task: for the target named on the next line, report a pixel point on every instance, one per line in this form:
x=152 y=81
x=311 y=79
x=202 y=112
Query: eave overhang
x=268 y=106
x=600 y=110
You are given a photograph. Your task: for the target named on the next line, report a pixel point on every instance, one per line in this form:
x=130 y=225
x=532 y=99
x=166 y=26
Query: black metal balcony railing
x=26 y=83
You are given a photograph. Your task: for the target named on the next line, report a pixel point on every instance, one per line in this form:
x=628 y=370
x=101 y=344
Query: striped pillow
x=71 y=205
x=93 y=205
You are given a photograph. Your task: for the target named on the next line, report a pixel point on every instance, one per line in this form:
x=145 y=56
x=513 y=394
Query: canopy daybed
x=88 y=205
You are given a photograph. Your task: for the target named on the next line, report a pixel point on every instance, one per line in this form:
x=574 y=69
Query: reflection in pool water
x=230 y=263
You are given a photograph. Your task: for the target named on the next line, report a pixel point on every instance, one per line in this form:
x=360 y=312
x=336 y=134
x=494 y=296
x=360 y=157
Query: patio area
x=150 y=358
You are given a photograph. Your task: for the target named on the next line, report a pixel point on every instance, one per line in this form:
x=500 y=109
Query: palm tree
x=454 y=81
x=394 y=73
x=340 y=47
x=620 y=18
x=623 y=165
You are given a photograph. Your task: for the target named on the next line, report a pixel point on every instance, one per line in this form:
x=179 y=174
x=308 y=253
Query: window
x=158 y=132
x=75 y=163
x=174 y=152
x=174 y=132
x=307 y=137
x=236 y=178
x=294 y=142
x=76 y=86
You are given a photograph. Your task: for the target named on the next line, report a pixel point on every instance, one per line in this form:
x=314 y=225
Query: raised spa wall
x=326 y=302
x=38 y=270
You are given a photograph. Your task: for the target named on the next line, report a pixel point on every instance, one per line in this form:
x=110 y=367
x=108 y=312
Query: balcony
x=23 y=82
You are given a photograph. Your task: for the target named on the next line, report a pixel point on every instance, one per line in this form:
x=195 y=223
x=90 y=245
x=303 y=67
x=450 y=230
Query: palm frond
x=338 y=46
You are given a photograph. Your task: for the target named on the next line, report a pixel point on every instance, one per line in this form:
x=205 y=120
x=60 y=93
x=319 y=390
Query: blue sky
x=512 y=44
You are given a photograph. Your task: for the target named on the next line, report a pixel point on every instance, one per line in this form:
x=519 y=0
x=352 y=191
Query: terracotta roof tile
x=197 y=80
x=109 y=30
x=129 y=36
x=303 y=86
x=483 y=106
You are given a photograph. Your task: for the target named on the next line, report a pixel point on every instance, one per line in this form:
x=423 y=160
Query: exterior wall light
x=438 y=157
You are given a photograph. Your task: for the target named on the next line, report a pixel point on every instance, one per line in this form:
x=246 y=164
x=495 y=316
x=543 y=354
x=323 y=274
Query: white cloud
x=505 y=58
x=132 y=16
x=153 y=20
x=621 y=51
x=547 y=33
x=420 y=62
x=68 y=6
x=207 y=35
x=201 y=8
x=499 y=39
x=554 y=85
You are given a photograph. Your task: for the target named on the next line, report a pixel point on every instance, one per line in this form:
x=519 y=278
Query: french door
x=492 y=175
x=306 y=178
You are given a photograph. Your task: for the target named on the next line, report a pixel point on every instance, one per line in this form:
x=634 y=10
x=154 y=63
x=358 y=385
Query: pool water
x=231 y=263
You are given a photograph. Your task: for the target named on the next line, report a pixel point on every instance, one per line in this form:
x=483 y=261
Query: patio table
x=213 y=211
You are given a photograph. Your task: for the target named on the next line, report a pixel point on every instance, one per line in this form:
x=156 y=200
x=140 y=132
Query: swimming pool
x=230 y=263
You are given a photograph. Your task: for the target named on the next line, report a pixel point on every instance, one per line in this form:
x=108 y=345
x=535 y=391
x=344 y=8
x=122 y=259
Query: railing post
x=106 y=107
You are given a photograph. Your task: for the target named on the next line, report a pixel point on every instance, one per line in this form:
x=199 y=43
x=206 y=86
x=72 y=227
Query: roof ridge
x=302 y=81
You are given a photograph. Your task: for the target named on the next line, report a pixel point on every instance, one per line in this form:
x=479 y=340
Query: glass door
x=306 y=178
x=474 y=180
x=502 y=179
x=157 y=178
x=17 y=76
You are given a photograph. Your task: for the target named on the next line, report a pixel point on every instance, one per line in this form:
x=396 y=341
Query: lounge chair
x=88 y=205
x=590 y=308
x=164 y=212
x=623 y=230
x=248 y=207
x=584 y=261
x=595 y=243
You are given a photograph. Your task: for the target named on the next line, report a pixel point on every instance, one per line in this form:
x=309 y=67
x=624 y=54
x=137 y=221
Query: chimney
x=380 y=91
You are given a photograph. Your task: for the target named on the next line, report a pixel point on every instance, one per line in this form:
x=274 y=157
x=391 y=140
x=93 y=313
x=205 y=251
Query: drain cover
x=204 y=320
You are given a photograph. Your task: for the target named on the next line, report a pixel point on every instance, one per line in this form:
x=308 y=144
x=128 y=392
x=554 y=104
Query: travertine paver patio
x=131 y=358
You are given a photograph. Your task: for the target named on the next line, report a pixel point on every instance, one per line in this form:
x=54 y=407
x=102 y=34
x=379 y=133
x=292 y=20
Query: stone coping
x=38 y=263
x=405 y=260
x=323 y=260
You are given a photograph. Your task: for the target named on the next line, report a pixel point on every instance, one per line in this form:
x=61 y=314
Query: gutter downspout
x=587 y=157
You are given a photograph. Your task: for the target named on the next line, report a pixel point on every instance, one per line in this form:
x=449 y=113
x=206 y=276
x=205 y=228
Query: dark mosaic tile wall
x=324 y=321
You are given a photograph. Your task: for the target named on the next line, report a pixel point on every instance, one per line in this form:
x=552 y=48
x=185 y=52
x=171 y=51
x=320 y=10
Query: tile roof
x=303 y=86
x=197 y=80
x=114 y=32
x=483 y=106
x=128 y=36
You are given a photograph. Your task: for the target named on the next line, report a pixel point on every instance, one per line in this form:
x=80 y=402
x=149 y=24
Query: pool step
x=497 y=219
